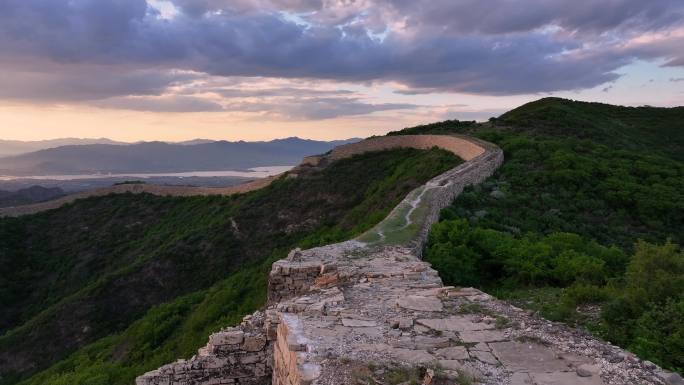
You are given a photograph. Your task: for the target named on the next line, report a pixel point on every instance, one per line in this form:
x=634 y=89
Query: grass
x=395 y=228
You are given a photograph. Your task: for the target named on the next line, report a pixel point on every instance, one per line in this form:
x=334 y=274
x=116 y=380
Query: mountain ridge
x=148 y=157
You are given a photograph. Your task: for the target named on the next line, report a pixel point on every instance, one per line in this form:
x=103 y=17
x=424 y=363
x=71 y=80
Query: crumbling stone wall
x=296 y=275
x=241 y=355
x=268 y=347
x=453 y=182
x=465 y=148
x=335 y=310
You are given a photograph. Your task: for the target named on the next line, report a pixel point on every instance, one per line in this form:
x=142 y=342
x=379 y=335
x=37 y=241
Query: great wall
x=369 y=311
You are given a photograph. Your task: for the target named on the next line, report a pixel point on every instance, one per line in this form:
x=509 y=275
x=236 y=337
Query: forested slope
x=582 y=221
x=101 y=290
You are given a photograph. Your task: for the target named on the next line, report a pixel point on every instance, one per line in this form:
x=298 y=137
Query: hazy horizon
x=168 y=141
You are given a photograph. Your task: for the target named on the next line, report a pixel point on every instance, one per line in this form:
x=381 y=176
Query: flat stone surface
x=461 y=366
x=454 y=324
x=485 y=357
x=453 y=353
x=565 y=378
x=519 y=378
x=357 y=323
x=411 y=356
x=450 y=364
x=481 y=346
x=525 y=357
x=481 y=336
x=420 y=303
x=424 y=342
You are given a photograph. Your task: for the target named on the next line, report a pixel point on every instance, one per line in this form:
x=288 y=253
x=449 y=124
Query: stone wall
x=268 y=347
x=237 y=355
x=453 y=182
x=365 y=313
x=441 y=191
x=465 y=148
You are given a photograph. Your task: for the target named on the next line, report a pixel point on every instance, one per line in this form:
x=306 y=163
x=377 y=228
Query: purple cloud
x=497 y=48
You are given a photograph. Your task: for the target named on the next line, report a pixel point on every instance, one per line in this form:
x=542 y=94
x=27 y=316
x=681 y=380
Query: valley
x=584 y=213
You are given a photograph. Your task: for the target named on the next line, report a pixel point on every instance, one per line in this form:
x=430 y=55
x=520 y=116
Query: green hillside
x=107 y=288
x=649 y=129
x=563 y=224
x=582 y=223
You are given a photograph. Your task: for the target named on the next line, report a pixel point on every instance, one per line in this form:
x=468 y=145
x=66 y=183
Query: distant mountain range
x=149 y=157
x=16 y=147
x=29 y=195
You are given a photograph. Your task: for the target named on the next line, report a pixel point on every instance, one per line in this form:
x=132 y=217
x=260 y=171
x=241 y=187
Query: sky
x=323 y=69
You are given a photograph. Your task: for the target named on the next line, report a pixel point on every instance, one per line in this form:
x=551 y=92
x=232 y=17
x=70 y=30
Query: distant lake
x=255 y=172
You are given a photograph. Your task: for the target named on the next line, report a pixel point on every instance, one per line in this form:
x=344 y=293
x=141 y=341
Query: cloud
x=317 y=108
x=277 y=92
x=676 y=80
x=76 y=83
x=173 y=103
x=119 y=48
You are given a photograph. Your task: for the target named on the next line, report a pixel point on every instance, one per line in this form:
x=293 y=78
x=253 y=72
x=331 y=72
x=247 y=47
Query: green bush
x=659 y=334
x=467 y=255
x=647 y=313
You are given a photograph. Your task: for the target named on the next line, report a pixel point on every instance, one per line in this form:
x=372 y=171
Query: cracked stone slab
x=525 y=357
x=454 y=324
x=460 y=366
x=424 y=342
x=420 y=303
x=481 y=336
x=453 y=353
x=564 y=378
x=411 y=356
x=485 y=357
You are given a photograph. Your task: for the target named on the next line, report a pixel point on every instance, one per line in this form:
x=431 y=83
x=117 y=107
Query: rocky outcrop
x=369 y=311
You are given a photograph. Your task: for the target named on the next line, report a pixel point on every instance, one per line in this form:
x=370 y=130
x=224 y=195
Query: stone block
x=453 y=353
x=424 y=342
x=253 y=343
x=419 y=303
